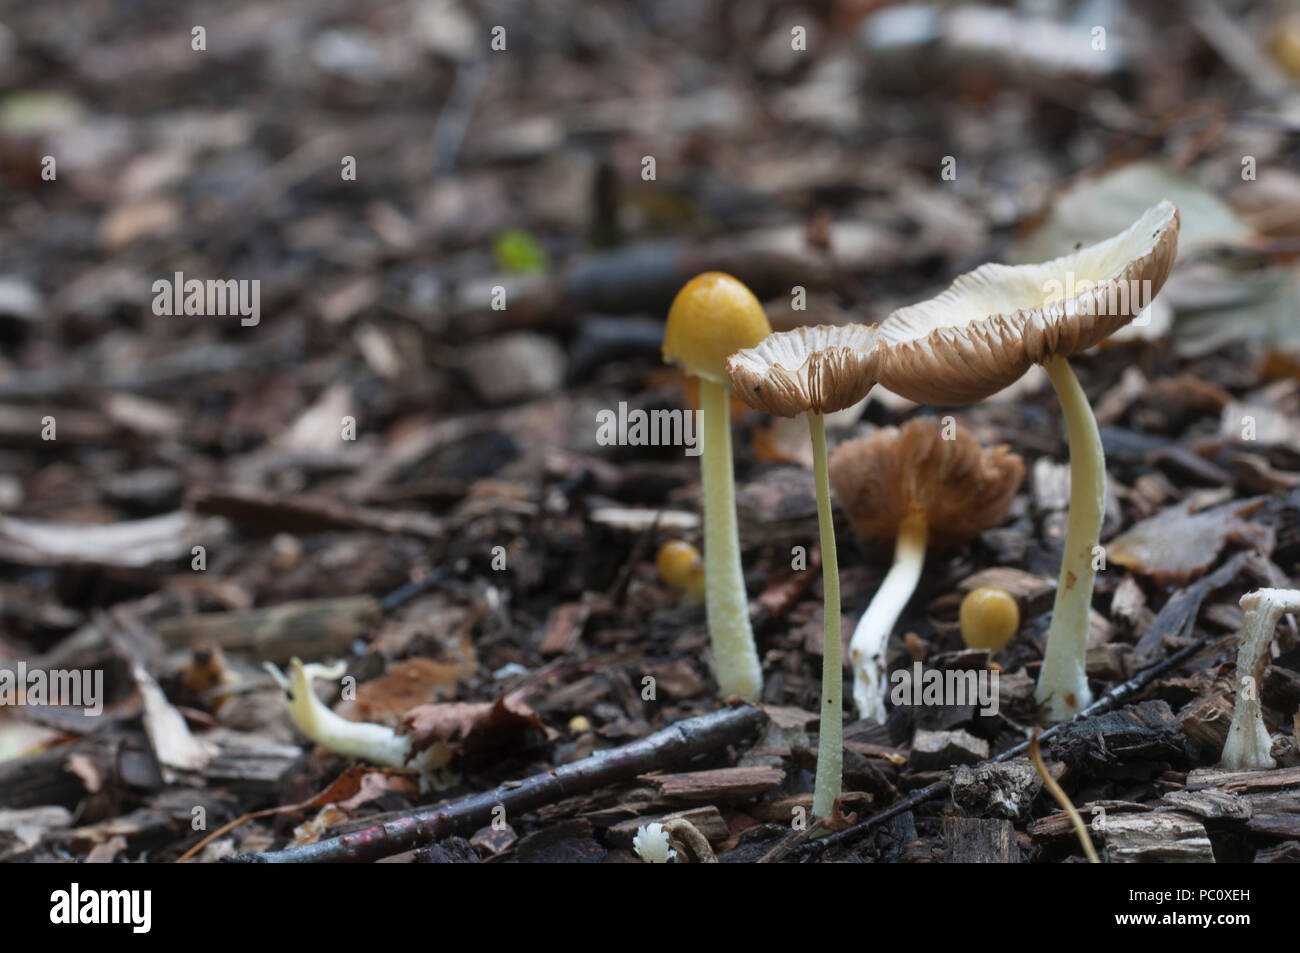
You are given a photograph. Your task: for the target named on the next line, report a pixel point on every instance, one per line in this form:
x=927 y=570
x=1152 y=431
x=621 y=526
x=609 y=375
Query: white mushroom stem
x=367 y=741
x=735 y=658
x=871 y=637
x=1063 y=681
x=1248 y=745
x=830 y=743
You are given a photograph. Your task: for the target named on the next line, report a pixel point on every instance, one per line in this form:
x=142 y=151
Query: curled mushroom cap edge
x=817 y=370
x=986 y=329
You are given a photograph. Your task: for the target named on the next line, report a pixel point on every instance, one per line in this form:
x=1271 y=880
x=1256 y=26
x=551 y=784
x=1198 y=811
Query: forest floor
x=375 y=461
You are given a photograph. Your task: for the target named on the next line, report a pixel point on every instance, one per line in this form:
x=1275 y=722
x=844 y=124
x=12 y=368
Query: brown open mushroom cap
x=985 y=330
x=960 y=487
x=821 y=369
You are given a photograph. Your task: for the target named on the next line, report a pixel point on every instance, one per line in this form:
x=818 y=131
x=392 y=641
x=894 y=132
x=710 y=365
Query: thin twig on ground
x=692 y=736
x=1063 y=799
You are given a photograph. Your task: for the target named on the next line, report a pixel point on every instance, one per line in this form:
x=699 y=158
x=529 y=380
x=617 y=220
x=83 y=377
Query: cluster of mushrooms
x=976 y=338
x=918 y=484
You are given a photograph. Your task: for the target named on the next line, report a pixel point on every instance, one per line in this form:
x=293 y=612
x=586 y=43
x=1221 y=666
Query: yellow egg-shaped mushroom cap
x=989 y=617
x=679 y=565
x=712 y=317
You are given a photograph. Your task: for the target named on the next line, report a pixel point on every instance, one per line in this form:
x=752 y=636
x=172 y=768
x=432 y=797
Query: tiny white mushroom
x=1247 y=746
x=651 y=844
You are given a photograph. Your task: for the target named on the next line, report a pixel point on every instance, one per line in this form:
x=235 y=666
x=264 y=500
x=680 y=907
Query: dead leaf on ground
x=470 y=727
x=107 y=852
x=129 y=544
x=1177 y=545
x=406 y=685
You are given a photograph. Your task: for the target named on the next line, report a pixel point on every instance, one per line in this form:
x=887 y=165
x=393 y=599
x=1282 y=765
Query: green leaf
x=518 y=253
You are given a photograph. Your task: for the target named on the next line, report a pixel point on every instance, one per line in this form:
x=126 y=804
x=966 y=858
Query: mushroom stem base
x=1063 y=682
x=1248 y=745
x=735 y=659
x=830 y=743
x=870 y=638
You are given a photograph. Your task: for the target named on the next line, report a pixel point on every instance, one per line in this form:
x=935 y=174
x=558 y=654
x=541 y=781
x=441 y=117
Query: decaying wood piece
x=935 y=750
x=1244 y=782
x=1210 y=804
x=422 y=826
x=1275 y=824
x=1270 y=799
x=718 y=785
x=1060 y=824
x=708 y=820
x=1107 y=662
x=1154 y=837
x=1005 y=790
x=1287 y=852
x=1145 y=732
x=308 y=629
x=247 y=762
x=38 y=779
x=977 y=840
x=270 y=512
x=1205 y=721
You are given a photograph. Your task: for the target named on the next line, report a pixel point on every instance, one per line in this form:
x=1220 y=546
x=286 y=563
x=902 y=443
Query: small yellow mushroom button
x=680 y=566
x=578 y=724
x=989 y=617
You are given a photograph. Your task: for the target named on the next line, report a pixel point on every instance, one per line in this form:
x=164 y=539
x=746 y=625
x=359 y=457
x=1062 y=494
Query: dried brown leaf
x=1177 y=545
x=470 y=727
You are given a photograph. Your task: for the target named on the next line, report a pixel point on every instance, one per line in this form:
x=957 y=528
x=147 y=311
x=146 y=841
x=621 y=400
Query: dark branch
x=422 y=826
